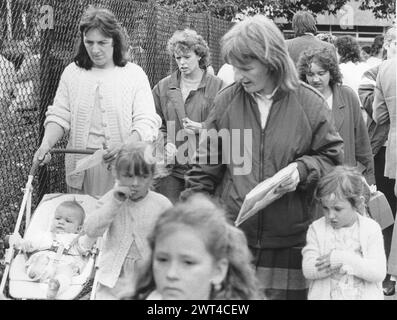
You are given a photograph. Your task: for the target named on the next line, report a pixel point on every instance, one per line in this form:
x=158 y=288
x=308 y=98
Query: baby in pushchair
x=58 y=255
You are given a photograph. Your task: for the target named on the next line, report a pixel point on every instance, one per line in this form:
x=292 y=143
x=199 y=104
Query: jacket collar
x=175 y=81
x=306 y=35
x=276 y=95
x=175 y=84
x=338 y=105
x=267 y=97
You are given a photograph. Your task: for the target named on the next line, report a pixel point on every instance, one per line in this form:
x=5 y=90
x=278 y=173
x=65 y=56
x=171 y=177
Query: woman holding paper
x=183 y=101
x=102 y=101
x=279 y=122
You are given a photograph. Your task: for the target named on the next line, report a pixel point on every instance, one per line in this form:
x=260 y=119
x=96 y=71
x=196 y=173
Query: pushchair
x=20 y=286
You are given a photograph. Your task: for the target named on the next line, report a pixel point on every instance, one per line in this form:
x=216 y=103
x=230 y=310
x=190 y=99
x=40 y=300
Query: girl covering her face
x=125 y=216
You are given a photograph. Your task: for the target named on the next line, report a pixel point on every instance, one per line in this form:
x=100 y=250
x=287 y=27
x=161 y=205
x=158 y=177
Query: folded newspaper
x=89 y=161
x=263 y=194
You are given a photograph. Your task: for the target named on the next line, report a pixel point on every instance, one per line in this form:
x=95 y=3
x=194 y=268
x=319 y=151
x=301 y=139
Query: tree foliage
x=223 y=9
x=287 y=8
x=381 y=8
x=228 y=9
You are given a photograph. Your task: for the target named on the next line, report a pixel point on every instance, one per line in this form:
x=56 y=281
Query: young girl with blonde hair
x=344 y=257
x=127 y=214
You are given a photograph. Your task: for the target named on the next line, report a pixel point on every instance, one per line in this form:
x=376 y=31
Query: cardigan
x=124 y=223
x=371 y=267
x=127 y=105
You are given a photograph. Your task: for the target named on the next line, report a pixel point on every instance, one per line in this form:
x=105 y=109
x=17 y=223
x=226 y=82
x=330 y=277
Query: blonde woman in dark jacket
x=275 y=121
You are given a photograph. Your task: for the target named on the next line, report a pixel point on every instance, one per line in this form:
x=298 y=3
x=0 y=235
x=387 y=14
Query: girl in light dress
x=344 y=256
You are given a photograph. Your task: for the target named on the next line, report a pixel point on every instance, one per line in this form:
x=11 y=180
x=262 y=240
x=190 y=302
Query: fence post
x=151 y=35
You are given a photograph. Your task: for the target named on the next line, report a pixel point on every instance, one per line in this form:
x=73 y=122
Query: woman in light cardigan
x=102 y=101
x=344 y=256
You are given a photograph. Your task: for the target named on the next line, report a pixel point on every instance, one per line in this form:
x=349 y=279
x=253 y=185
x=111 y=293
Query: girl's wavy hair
x=259 y=38
x=222 y=240
x=348 y=49
x=106 y=22
x=189 y=40
x=324 y=58
x=377 y=45
x=345 y=183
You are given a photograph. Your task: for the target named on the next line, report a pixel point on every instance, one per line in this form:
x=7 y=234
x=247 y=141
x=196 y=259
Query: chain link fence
x=37 y=41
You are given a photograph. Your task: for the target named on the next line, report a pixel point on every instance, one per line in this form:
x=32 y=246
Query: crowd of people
x=311 y=103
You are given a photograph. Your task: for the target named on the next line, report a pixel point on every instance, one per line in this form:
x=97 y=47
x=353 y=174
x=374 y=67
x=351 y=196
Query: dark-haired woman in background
x=102 y=101
x=376 y=52
x=320 y=69
x=350 y=63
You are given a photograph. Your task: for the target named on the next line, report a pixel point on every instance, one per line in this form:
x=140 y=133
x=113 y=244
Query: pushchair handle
x=33 y=168
x=79 y=151
x=36 y=164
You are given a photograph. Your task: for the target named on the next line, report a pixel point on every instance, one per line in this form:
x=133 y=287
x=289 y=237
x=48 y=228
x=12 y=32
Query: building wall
x=350 y=20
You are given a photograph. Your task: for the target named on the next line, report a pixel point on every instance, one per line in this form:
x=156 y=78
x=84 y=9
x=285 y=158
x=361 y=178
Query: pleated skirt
x=279 y=271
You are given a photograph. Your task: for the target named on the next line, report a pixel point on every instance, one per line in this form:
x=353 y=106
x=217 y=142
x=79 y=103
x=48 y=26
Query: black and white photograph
x=198 y=150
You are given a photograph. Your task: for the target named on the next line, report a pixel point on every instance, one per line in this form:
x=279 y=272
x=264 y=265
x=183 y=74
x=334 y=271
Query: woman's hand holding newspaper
x=290 y=183
x=268 y=191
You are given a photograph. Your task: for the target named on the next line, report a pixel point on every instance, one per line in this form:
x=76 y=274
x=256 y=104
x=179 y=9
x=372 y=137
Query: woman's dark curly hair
x=348 y=49
x=323 y=58
x=377 y=45
x=105 y=21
